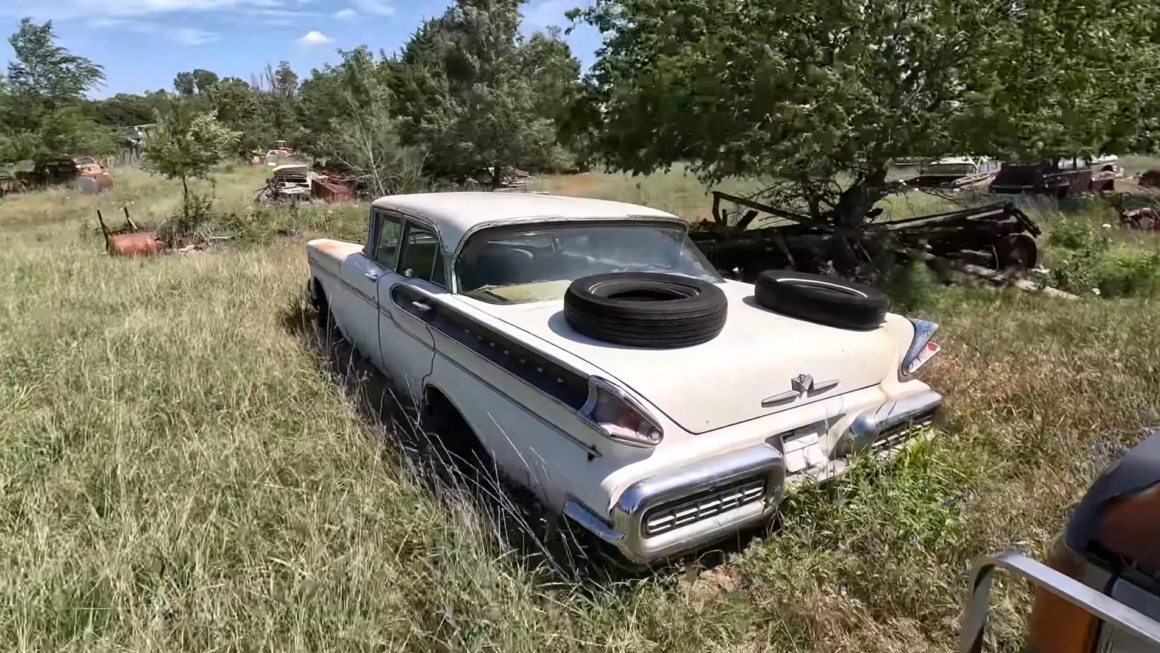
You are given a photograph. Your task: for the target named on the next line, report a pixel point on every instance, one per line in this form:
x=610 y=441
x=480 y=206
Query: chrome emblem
x=802 y=384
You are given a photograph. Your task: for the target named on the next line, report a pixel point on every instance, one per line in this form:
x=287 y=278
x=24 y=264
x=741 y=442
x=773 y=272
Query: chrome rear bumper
x=702 y=503
x=690 y=507
x=894 y=419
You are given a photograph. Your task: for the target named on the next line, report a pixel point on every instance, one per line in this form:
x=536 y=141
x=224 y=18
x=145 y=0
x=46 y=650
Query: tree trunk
x=184 y=199
x=849 y=217
x=496 y=176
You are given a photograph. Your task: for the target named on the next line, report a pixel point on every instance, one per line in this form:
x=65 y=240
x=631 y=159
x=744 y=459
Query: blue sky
x=143 y=43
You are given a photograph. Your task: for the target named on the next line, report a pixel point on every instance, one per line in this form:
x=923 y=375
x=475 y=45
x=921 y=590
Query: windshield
x=536 y=263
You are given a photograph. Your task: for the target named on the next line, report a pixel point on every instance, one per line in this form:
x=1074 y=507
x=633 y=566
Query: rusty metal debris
x=997 y=236
x=129 y=240
x=297 y=185
x=1138 y=211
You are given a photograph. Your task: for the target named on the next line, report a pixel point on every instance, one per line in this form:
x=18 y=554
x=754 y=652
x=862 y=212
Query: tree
x=822 y=96
x=285 y=80
x=42 y=111
x=463 y=94
x=45 y=72
x=195 y=82
x=187 y=144
x=127 y=109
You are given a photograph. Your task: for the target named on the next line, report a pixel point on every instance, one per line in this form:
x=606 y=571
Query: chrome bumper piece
x=894 y=418
x=628 y=531
x=689 y=523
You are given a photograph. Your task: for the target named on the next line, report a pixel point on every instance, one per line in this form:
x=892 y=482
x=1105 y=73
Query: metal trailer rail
x=1073 y=591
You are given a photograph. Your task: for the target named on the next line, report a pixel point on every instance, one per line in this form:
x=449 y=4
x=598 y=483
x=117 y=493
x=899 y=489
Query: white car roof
x=456 y=214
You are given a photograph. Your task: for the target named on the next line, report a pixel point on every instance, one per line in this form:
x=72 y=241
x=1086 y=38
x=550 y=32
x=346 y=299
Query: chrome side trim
x=870 y=424
x=592 y=523
x=589 y=449
x=1073 y=591
x=789 y=395
x=634 y=502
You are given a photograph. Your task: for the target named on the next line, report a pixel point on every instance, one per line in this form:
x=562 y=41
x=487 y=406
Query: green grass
x=181 y=468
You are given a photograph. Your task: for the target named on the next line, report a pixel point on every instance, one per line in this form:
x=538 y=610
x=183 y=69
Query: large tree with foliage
x=465 y=89
x=41 y=100
x=822 y=96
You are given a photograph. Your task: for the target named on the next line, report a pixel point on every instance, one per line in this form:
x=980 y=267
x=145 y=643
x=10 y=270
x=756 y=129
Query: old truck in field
x=588 y=351
x=1058 y=177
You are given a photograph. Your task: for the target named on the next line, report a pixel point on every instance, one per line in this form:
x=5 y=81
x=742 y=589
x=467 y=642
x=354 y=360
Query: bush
x=1086 y=263
x=1129 y=272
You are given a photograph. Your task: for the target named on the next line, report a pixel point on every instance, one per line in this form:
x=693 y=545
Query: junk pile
x=995 y=242
x=297 y=185
x=129 y=240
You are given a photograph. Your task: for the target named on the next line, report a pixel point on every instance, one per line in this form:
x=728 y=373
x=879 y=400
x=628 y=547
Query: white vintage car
x=599 y=360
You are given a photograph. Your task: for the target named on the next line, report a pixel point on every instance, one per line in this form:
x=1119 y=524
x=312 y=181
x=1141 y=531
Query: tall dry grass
x=184 y=466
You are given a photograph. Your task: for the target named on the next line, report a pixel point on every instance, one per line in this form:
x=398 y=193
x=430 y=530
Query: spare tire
x=644 y=309
x=822 y=300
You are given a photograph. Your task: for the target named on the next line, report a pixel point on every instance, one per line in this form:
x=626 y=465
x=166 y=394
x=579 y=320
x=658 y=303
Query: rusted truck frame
x=997 y=236
x=1051 y=179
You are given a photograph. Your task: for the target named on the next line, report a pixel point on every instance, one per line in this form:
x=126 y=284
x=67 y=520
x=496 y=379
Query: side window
x=387 y=244
x=421 y=258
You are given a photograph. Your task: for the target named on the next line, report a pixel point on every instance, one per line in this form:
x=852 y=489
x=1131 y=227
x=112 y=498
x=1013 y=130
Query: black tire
x=645 y=309
x=822 y=300
x=452 y=439
x=1016 y=252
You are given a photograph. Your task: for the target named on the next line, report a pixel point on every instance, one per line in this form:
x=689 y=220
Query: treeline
x=466 y=92
x=820 y=97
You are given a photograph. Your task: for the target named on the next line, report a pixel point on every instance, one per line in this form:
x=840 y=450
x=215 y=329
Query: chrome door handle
x=421 y=306
x=373 y=275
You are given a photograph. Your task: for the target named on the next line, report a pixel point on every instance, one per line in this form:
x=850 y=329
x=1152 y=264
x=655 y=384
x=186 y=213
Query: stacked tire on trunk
x=667 y=311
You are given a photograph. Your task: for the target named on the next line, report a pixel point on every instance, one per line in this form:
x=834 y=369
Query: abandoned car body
x=955 y=174
x=595 y=356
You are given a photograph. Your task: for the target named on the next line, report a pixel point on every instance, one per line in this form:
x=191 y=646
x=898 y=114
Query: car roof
x=454 y=215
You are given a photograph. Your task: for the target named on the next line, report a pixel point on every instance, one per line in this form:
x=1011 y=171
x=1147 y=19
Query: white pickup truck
x=596 y=358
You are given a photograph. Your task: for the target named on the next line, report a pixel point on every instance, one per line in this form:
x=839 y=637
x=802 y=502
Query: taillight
x=921 y=348
x=618 y=416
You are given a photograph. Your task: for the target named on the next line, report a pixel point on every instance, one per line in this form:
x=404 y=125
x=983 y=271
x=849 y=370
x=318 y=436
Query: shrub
x=1085 y=262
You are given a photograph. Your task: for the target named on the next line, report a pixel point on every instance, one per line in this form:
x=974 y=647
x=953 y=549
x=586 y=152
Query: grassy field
x=184 y=467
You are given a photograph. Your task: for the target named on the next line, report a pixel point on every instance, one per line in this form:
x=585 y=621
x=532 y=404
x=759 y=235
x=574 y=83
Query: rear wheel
x=1016 y=252
x=452 y=439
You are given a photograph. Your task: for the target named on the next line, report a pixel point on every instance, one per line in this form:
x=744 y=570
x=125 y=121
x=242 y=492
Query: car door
x=356 y=309
x=405 y=299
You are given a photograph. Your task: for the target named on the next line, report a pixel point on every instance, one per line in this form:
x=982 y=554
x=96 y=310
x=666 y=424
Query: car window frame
x=380 y=217
x=410 y=223
x=550 y=225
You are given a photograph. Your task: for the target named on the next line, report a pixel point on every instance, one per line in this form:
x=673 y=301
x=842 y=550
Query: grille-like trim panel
x=689 y=510
x=891 y=436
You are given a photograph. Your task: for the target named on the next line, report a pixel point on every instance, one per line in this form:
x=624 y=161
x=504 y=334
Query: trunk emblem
x=802 y=384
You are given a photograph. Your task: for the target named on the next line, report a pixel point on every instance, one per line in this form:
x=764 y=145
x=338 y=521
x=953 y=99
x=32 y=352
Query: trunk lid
x=726 y=380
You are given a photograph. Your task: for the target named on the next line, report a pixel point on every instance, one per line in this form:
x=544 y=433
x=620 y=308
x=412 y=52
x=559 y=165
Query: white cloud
x=125 y=9
x=313 y=38
x=191 y=36
x=346 y=13
x=374 y=7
